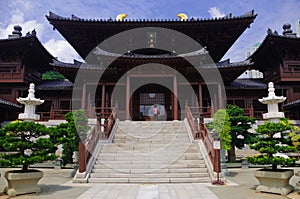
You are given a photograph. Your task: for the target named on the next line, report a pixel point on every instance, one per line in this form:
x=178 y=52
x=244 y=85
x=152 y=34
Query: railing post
x=106 y=130
x=82 y=158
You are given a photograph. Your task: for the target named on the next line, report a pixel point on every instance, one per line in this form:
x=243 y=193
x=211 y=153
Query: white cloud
x=215 y=12
x=17 y=18
x=62 y=50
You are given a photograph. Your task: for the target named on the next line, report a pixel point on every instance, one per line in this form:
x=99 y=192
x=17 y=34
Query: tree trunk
x=231 y=153
x=24 y=168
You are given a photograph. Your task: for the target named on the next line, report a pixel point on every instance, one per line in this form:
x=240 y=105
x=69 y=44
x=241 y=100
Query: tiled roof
x=192 y=19
x=226 y=64
x=7 y=104
x=101 y=52
x=248 y=83
x=292 y=104
x=76 y=65
x=55 y=85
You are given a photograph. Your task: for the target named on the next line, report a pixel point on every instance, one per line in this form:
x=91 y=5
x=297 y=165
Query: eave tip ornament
x=121 y=17
x=182 y=16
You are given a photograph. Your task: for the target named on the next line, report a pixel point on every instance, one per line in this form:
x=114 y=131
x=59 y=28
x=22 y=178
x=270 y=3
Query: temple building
x=174 y=68
x=138 y=64
x=278 y=57
x=23 y=60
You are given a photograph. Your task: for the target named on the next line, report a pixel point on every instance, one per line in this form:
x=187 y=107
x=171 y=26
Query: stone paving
x=57 y=184
x=149 y=191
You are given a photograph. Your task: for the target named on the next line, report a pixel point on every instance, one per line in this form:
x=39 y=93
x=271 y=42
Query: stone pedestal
x=274 y=181
x=22 y=183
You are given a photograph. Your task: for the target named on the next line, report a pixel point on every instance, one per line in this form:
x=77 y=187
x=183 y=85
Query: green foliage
x=68 y=134
x=231 y=123
x=52 y=75
x=240 y=125
x=221 y=125
x=268 y=145
x=20 y=137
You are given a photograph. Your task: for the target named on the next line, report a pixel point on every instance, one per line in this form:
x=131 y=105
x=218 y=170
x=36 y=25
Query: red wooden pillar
x=103 y=100
x=83 y=96
x=81 y=157
x=220 y=98
x=127 y=97
x=175 y=93
x=200 y=96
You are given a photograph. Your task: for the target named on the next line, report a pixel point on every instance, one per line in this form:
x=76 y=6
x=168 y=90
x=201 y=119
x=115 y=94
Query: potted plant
x=26 y=143
x=273 y=145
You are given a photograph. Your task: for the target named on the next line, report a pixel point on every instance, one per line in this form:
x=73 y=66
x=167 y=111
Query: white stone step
x=150 y=180
x=148 y=175
x=101 y=169
x=150 y=152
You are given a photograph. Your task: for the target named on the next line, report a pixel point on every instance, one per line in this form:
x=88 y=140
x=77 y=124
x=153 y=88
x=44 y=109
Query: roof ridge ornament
x=182 y=16
x=121 y=17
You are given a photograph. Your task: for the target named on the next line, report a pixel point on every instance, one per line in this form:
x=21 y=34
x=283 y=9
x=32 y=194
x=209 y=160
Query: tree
x=221 y=125
x=67 y=134
x=27 y=143
x=240 y=125
x=270 y=145
x=52 y=75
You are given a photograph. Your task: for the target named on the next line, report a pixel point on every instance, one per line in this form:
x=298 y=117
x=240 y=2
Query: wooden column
x=103 y=99
x=83 y=96
x=220 y=97
x=200 y=96
x=127 y=117
x=81 y=157
x=175 y=94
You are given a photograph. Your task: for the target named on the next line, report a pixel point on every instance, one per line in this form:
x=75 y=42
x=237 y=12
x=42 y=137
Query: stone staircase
x=150 y=152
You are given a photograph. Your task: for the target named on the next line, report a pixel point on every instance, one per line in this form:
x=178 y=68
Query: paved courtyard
x=241 y=183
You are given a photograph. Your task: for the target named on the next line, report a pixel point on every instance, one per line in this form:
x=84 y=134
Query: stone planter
x=274 y=181
x=22 y=183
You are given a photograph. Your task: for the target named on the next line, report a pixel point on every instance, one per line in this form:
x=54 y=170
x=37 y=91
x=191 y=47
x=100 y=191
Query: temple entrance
x=152 y=102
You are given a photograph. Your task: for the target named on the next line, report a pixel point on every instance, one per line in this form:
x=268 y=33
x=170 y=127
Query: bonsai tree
x=230 y=123
x=271 y=142
x=67 y=134
x=26 y=143
x=239 y=125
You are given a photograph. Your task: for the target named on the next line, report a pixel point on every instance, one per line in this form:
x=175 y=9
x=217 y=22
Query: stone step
x=151 y=140
x=149 y=180
x=150 y=158
x=148 y=175
x=101 y=169
x=149 y=166
x=151 y=162
x=150 y=152
x=156 y=152
x=160 y=150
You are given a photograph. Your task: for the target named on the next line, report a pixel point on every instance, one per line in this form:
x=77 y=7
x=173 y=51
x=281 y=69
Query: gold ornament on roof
x=120 y=17
x=182 y=16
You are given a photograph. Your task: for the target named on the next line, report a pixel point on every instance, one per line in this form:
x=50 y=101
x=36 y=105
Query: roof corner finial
x=269 y=31
x=182 y=16
x=121 y=17
x=16 y=33
x=287 y=31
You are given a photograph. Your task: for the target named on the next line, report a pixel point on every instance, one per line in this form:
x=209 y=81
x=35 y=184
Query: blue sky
x=30 y=14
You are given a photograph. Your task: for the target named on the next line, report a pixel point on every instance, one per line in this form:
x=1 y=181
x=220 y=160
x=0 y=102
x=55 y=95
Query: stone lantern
x=272 y=101
x=30 y=103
